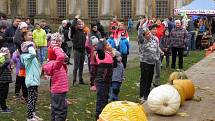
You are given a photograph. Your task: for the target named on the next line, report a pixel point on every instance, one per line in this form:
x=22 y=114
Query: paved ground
x=203 y=75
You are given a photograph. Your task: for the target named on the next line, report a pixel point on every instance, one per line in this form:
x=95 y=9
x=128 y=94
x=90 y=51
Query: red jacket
x=160 y=31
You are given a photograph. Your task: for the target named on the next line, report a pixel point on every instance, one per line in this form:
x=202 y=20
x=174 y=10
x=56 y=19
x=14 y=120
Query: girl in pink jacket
x=59 y=79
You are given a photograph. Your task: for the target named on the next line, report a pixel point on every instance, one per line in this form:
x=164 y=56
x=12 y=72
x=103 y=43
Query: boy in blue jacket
x=124 y=48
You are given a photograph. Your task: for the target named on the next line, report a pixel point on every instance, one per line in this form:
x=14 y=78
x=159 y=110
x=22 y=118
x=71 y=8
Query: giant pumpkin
x=123 y=111
x=164 y=100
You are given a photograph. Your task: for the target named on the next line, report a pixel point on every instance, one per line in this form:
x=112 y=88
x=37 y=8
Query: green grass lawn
x=83 y=100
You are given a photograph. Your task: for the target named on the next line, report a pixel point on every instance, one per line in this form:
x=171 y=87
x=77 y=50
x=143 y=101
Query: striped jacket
x=59 y=80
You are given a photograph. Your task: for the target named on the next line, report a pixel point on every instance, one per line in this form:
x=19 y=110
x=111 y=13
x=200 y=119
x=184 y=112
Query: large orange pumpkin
x=188 y=87
x=181 y=93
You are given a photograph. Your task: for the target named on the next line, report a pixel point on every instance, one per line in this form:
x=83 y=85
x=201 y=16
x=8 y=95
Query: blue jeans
x=41 y=54
x=114 y=90
x=192 y=41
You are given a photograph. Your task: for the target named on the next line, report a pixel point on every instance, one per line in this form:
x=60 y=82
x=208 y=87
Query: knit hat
x=26 y=45
x=56 y=39
x=117 y=53
x=4 y=50
x=23 y=25
x=94 y=40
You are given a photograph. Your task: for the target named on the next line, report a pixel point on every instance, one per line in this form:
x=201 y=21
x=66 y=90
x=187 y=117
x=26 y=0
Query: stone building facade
x=90 y=9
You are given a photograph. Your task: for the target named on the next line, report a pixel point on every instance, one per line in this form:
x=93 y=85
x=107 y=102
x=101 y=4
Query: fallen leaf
x=197 y=98
x=89 y=112
x=183 y=114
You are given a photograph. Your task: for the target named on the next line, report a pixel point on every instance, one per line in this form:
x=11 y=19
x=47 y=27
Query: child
x=59 y=79
x=117 y=77
x=165 y=47
x=32 y=80
x=124 y=48
x=104 y=58
x=111 y=41
x=91 y=47
x=20 y=77
x=5 y=78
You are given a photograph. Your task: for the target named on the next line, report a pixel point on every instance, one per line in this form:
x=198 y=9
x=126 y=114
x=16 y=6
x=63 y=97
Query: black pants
x=102 y=82
x=58 y=107
x=147 y=72
x=4 y=87
x=32 y=99
x=167 y=60
x=179 y=52
x=20 y=84
x=198 y=42
x=124 y=60
x=79 y=57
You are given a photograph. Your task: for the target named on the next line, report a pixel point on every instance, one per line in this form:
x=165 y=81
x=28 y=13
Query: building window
x=93 y=8
x=61 y=8
x=31 y=8
x=162 y=10
x=126 y=8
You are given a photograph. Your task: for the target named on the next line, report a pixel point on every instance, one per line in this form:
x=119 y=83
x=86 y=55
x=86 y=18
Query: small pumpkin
x=181 y=93
x=178 y=74
x=188 y=87
x=123 y=111
x=164 y=100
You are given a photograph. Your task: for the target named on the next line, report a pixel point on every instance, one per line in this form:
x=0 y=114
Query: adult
x=160 y=29
x=113 y=25
x=101 y=29
x=148 y=57
x=117 y=34
x=9 y=34
x=18 y=37
x=178 y=38
x=192 y=35
x=202 y=29
x=39 y=38
x=45 y=27
x=4 y=22
x=67 y=43
x=130 y=24
x=30 y=26
x=78 y=38
x=2 y=32
x=171 y=24
x=213 y=26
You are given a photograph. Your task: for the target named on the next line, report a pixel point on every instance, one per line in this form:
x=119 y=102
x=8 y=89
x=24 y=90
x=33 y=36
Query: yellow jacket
x=39 y=37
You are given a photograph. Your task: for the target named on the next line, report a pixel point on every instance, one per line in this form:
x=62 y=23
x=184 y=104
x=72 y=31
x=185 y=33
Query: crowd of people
x=36 y=53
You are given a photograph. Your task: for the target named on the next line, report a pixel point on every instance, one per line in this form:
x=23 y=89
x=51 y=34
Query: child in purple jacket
x=20 y=78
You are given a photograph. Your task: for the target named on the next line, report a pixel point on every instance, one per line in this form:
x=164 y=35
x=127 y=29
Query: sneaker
x=32 y=119
x=81 y=82
x=74 y=83
x=6 y=111
x=93 y=88
x=37 y=117
x=143 y=100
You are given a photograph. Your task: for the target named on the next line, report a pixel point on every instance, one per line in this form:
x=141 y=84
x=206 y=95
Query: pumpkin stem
x=165 y=104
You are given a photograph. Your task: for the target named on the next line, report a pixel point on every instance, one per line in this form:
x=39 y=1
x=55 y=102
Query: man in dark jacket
x=78 y=38
x=18 y=37
x=9 y=34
